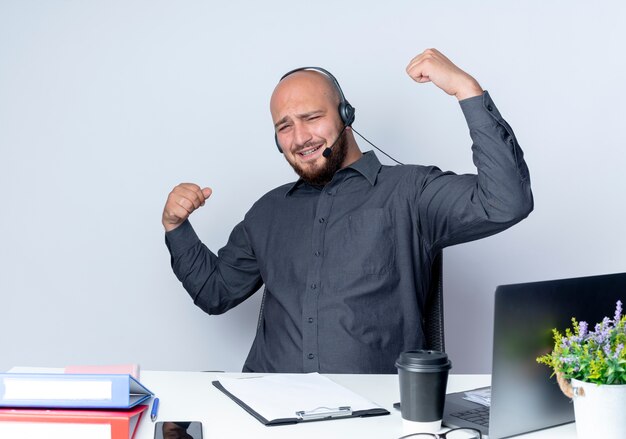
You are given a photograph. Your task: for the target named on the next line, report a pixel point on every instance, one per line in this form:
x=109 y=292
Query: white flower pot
x=600 y=410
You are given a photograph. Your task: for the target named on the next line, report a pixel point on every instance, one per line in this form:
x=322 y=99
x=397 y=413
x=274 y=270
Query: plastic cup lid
x=423 y=361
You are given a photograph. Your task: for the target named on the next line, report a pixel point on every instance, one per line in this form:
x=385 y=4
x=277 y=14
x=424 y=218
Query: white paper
x=280 y=396
x=480 y=396
x=24 y=389
x=54 y=430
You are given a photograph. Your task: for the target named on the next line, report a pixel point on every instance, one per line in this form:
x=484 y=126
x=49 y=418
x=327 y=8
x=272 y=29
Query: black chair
x=432 y=319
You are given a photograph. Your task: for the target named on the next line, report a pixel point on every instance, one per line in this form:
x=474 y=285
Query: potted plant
x=590 y=366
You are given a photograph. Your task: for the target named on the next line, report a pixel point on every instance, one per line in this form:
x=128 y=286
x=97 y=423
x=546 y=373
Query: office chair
x=432 y=319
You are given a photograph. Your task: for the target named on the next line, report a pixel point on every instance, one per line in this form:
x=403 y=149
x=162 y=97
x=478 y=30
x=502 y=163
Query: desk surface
x=190 y=396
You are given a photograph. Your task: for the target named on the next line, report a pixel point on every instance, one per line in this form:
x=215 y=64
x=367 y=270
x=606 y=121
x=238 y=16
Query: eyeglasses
x=455 y=433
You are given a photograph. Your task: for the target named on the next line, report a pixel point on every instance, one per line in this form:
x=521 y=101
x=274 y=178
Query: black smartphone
x=178 y=430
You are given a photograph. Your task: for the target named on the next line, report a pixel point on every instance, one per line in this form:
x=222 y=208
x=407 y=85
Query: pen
x=155 y=409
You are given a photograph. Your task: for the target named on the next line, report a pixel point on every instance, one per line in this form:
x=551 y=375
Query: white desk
x=190 y=396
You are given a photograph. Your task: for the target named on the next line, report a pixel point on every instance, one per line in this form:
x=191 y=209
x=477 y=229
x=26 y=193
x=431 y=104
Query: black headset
x=346 y=111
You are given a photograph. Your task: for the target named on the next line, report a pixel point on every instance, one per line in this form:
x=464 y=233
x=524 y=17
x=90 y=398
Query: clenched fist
x=181 y=202
x=432 y=66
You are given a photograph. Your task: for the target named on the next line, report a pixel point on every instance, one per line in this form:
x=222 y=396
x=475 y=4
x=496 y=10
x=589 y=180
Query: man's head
x=305 y=112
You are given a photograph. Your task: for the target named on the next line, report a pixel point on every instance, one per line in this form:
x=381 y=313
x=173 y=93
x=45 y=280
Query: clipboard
x=283 y=399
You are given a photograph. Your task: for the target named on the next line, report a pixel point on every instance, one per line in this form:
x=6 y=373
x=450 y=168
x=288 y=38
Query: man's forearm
x=503 y=177
x=215 y=283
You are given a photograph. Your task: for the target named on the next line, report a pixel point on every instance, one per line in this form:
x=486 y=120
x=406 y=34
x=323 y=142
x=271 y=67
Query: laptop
x=523 y=396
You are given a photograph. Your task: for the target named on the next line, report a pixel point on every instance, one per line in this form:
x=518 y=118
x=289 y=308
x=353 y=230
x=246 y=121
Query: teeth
x=310 y=152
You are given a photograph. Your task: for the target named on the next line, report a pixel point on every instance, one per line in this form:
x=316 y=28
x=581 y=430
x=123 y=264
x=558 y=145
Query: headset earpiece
x=346 y=112
x=280 y=150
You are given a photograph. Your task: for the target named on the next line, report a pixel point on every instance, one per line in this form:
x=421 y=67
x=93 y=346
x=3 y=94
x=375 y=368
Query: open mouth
x=309 y=153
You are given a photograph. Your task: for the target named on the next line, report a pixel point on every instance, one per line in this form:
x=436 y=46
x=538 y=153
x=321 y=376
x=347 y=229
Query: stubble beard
x=322 y=175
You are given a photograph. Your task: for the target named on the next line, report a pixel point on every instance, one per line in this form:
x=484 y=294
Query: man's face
x=306 y=120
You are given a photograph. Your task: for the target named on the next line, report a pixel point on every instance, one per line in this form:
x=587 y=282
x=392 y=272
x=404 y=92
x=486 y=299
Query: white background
x=106 y=105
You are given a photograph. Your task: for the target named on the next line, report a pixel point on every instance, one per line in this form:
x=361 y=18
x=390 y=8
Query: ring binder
x=324 y=413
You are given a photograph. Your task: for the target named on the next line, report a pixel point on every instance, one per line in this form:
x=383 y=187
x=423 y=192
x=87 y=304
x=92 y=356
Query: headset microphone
x=329 y=149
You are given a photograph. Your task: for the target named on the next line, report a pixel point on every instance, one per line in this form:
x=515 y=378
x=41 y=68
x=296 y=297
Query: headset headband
x=322 y=71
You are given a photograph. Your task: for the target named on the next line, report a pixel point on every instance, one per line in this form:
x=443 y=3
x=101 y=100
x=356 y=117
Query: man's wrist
x=470 y=90
x=169 y=226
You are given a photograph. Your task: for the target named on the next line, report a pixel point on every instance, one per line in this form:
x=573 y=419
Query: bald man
x=345 y=251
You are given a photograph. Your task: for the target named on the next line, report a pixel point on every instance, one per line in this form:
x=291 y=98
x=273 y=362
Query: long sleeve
x=459 y=208
x=216 y=283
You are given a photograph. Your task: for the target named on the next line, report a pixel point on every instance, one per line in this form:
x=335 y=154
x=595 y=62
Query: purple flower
x=618 y=312
x=602 y=331
x=583 y=329
x=613 y=355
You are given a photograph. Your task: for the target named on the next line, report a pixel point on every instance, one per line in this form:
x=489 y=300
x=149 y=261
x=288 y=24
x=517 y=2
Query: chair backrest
x=432 y=319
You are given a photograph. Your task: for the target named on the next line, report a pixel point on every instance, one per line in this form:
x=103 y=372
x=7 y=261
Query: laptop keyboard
x=478 y=416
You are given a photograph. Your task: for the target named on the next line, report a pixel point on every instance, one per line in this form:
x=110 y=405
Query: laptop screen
x=523 y=396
